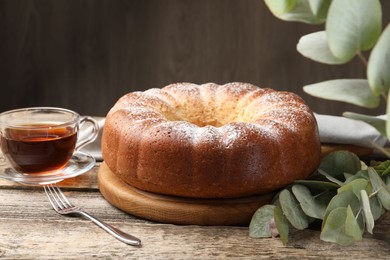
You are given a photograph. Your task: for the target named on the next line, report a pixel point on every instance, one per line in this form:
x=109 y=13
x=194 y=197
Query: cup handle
x=88 y=138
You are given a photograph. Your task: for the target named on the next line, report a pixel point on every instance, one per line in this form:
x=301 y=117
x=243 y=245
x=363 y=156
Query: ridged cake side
x=211 y=141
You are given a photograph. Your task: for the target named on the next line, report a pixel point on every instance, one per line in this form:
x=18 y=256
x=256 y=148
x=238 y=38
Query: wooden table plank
x=75 y=238
x=31 y=229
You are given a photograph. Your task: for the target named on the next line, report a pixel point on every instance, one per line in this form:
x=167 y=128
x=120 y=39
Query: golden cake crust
x=211 y=141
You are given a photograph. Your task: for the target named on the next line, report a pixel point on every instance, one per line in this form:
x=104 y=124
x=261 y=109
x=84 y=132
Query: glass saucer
x=79 y=163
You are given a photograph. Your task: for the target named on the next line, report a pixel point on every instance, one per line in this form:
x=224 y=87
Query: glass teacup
x=41 y=140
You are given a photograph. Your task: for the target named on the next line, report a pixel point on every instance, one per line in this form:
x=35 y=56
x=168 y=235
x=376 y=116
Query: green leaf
x=378 y=123
x=330 y=177
x=340 y=162
x=318 y=185
x=343 y=199
x=363 y=174
x=352 y=227
x=281 y=225
x=260 y=223
x=315 y=47
x=354 y=91
x=376 y=180
x=309 y=204
x=388 y=118
x=292 y=210
x=341 y=227
x=382 y=168
x=355 y=186
x=320 y=7
x=376 y=207
x=353 y=26
x=368 y=217
x=347 y=176
x=380 y=188
x=379 y=64
x=279 y=7
x=325 y=197
x=298 y=10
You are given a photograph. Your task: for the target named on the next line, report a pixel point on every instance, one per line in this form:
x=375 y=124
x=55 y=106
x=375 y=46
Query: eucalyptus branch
x=362 y=58
x=358 y=213
x=384 y=96
x=345 y=214
x=340 y=42
x=320 y=194
x=374 y=193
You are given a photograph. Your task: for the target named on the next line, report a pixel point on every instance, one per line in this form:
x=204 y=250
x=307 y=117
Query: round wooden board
x=358 y=150
x=176 y=210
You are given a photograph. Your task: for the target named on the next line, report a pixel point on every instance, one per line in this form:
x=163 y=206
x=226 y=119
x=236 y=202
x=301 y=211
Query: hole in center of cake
x=209 y=116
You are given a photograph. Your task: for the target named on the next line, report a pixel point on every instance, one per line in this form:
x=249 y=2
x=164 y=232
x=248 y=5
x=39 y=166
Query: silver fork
x=64 y=207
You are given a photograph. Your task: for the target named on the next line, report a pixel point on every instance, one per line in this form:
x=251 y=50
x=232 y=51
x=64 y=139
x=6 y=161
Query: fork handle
x=118 y=234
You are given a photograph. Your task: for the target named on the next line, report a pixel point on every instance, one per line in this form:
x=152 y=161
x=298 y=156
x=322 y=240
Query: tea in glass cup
x=41 y=140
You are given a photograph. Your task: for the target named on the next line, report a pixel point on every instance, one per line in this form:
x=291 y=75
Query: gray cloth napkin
x=341 y=130
x=332 y=129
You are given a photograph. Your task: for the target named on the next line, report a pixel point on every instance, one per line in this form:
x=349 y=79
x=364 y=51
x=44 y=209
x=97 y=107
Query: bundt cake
x=210 y=141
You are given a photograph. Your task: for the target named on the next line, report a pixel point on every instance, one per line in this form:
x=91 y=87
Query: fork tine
x=52 y=199
x=61 y=195
x=58 y=197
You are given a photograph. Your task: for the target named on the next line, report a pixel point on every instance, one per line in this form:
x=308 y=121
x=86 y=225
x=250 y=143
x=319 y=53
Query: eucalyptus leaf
x=309 y=204
x=340 y=162
x=388 y=118
x=318 y=185
x=380 y=188
x=353 y=26
x=330 y=177
x=319 y=7
x=379 y=64
x=352 y=227
x=298 y=10
x=260 y=223
x=363 y=174
x=315 y=47
x=376 y=180
x=343 y=199
x=279 y=7
x=355 y=186
x=341 y=227
x=378 y=123
x=281 y=225
x=292 y=210
x=354 y=91
x=325 y=197
x=363 y=165
x=382 y=168
x=348 y=175
x=368 y=217
x=376 y=207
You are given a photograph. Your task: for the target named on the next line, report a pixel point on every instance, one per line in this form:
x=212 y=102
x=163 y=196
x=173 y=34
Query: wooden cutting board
x=358 y=150
x=177 y=210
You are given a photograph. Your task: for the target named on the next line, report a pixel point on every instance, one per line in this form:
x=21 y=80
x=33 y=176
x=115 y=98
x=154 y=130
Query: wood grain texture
x=30 y=229
x=176 y=210
x=85 y=54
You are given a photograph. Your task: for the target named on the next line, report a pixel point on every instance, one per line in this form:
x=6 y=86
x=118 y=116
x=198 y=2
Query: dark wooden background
x=85 y=54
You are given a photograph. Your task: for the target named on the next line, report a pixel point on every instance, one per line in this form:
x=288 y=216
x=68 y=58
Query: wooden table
x=30 y=229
